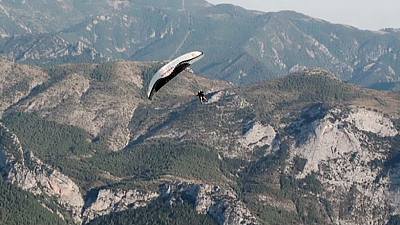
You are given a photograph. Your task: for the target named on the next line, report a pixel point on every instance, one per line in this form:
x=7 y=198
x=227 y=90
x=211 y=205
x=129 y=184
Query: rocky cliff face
x=24 y=170
x=102 y=108
x=221 y=204
x=306 y=149
x=220 y=126
x=109 y=201
x=32 y=175
x=343 y=148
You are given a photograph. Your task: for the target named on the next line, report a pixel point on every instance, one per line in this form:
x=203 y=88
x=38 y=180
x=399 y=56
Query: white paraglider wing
x=171 y=70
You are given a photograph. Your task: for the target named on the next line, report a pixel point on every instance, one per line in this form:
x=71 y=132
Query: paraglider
x=171 y=70
x=202 y=97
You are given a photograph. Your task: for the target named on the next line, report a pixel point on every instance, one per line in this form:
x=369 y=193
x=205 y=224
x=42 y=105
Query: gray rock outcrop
x=337 y=149
x=109 y=201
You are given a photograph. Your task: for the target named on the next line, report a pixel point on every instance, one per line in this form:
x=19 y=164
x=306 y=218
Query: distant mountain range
x=241 y=46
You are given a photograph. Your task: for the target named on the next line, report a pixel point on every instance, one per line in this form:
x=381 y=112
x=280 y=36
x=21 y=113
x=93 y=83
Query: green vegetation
x=273 y=216
x=291 y=186
x=392 y=164
x=10 y=92
x=60 y=71
x=310 y=209
x=294 y=92
x=19 y=207
x=328 y=207
x=103 y=72
x=394 y=220
x=396 y=123
x=256 y=177
x=158 y=212
x=7 y=143
x=70 y=150
x=316 y=88
x=49 y=140
x=312 y=184
x=262 y=177
x=299 y=164
x=62 y=146
x=151 y=160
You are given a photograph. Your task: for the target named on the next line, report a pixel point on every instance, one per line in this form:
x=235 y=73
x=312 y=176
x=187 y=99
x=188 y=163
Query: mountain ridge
x=242 y=46
x=303 y=149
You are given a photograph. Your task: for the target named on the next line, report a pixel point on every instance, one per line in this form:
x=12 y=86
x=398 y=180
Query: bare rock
x=104 y=109
x=273 y=201
x=44 y=180
x=258 y=135
x=110 y=201
x=337 y=149
x=70 y=89
x=17 y=81
x=221 y=204
x=371 y=121
x=26 y=171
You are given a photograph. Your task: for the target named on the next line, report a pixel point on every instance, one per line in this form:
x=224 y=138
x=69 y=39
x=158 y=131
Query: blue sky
x=364 y=14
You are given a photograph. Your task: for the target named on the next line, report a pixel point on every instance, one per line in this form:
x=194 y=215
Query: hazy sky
x=364 y=14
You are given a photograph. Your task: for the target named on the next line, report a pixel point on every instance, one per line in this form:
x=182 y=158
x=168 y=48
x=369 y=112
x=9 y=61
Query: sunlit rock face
x=343 y=149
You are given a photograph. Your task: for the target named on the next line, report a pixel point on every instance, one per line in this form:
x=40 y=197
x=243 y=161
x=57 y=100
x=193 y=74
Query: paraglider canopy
x=171 y=70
